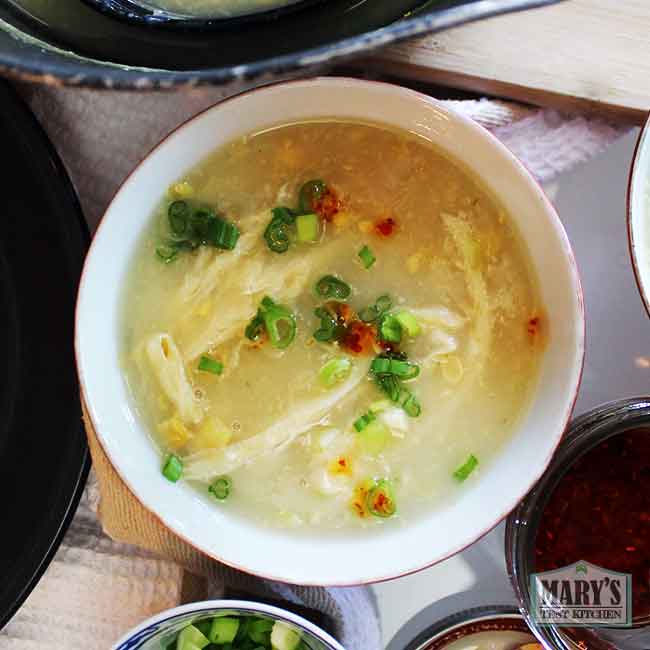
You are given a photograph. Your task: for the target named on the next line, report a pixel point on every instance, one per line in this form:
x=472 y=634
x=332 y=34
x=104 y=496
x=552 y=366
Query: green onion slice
x=220 y=488
x=367 y=257
x=259 y=631
x=411 y=404
x=167 y=253
x=329 y=286
x=329 y=330
x=178 y=215
x=334 y=371
x=277 y=232
x=408 y=322
x=361 y=423
x=390 y=329
x=207 y=364
x=466 y=468
x=307 y=228
x=373 y=312
x=311 y=192
x=279 y=322
x=389 y=366
x=255 y=328
x=381 y=499
x=173 y=468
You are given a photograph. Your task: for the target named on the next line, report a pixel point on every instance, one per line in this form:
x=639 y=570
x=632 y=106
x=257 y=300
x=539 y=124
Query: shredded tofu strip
x=167 y=365
x=210 y=265
x=235 y=296
x=205 y=465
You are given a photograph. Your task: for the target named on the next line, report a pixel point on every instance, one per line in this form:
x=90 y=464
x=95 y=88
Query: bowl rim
x=579 y=320
x=632 y=189
x=226 y=604
x=67 y=68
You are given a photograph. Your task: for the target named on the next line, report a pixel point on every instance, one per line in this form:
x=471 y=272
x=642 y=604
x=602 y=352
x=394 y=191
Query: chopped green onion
x=408 y=322
x=367 y=257
x=387 y=366
x=279 y=321
x=192 y=227
x=390 y=329
x=203 y=626
x=223 y=630
x=220 y=488
x=206 y=364
x=374 y=437
x=381 y=499
x=191 y=637
x=178 y=214
x=167 y=254
x=173 y=468
x=361 y=423
x=311 y=192
x=222 y=234
x=466 y=468
x=389 y=373
x=260 y=631
x=368 y=314
x=384 y=303
x=372 y=313
x=329 y=329
x=329 y=286
x=284 y=637
x=334 y=371
x=277 y=232
x=307 y=228
x=411 y=405
x=391 y=386
x=255 y=328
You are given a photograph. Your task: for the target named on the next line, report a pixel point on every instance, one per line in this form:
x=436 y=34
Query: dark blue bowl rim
x=71 y=69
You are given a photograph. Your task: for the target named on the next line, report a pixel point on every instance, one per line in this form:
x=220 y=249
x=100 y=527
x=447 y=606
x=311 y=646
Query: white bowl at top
x=638 y=214
x=347 y=559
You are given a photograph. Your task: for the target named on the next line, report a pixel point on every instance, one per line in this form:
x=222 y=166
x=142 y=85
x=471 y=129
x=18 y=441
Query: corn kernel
x=176 y=434
x=413 y=263
x=182 y=190
x=365 y=226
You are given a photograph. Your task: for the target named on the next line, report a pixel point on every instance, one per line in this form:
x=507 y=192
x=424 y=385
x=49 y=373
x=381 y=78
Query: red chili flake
x=604 y=495
x=533 y=325
x=328 y=205
x=342 y=462
x=359 y=337
x=386 y=227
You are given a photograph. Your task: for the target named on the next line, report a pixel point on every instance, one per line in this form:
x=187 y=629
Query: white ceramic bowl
x=347 y=559
x=157 y=632
x=638 y=214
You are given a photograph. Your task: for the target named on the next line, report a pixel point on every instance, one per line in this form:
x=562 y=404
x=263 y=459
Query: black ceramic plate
x=71 y=40
x=43 y=453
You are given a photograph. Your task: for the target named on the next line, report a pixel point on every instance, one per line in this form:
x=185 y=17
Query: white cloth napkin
x=96 y=589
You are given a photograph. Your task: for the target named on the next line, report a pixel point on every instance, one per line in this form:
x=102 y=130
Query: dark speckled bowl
x=73 y=42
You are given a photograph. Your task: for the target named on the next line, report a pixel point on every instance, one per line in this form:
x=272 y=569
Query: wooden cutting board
x=576 y=55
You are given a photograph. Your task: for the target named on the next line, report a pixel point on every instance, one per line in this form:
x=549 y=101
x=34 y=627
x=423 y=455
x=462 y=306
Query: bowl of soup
x=330 y=332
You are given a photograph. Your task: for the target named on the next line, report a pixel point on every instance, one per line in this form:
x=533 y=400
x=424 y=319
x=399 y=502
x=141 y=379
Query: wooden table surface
x=591 y=55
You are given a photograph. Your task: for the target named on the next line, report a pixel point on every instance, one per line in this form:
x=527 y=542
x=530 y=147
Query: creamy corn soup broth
x=330 y=325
